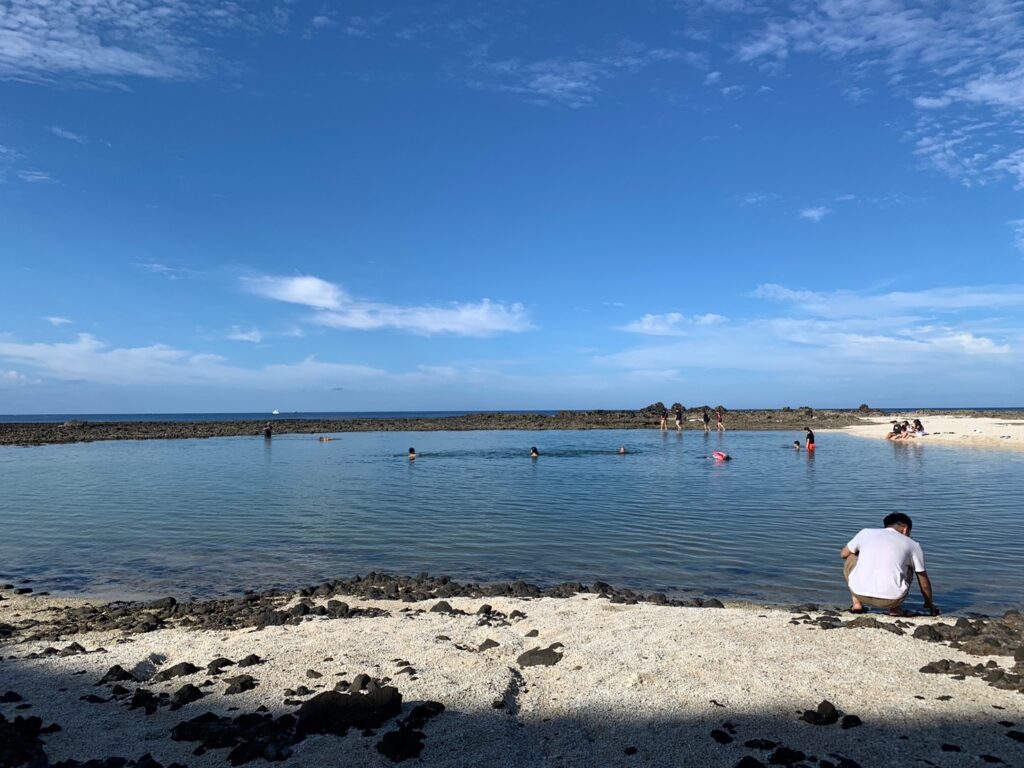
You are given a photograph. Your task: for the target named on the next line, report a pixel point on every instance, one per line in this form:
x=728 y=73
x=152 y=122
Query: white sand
x=632 y=676
x=974 y=431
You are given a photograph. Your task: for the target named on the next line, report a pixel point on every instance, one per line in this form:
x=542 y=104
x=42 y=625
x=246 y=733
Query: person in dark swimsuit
x=679 y=419
x=707 y=420
x=718 y=419
x=810 y=438
x=664 y=419
x=268 y=431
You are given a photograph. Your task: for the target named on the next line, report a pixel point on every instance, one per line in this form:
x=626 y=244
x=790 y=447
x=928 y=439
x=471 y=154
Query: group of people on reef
x=904 y=430
x=677 y=412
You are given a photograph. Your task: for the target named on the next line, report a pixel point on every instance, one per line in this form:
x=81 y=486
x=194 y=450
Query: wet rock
x=951 y=748
x=1016 y=735
x=750 y=762
x=762 y=744
x=20 y=744
x=850 y=721
x=721 y=736
x=712 y=603
x=545 y=657
x=10 y=697
x=92 y=698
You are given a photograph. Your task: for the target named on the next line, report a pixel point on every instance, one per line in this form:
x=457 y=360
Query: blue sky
x=303 y=205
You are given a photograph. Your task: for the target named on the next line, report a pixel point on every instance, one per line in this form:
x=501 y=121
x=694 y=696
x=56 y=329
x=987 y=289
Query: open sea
x=217 y=516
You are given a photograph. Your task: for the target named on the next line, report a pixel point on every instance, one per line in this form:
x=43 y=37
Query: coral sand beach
x=574 y=676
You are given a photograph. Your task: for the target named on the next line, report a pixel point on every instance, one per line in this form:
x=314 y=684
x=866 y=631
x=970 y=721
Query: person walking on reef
x=707 y=420
x=664 y=419
x=679 y=418
x=880 y=567
x=718 y=419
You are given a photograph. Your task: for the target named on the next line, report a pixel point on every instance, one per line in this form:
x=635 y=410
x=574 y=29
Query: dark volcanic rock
x=145 y=700
x=487 y=644
x=10 y=697
x=825 y=714
x=786 y=756
x=850 y=721
x=20 y=744
x=218 y=665
x=333 y=712
x=535 y=657
x=239 y=684
x=250 y=661
x=185 y=695
x=178 y=670
x=721 y=736
x=117 y=674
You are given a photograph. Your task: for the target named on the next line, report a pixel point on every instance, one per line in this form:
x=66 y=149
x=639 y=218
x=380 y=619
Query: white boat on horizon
x=275 y=412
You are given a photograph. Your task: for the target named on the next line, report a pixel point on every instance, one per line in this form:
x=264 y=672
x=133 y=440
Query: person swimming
x=720 y=456
x=796 y=445
x=622 y=450
x=412 y=454
x=534 y=453
x=325 y=439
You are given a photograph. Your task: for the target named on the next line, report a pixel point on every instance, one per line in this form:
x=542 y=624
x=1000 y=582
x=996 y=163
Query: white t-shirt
x=886 y=560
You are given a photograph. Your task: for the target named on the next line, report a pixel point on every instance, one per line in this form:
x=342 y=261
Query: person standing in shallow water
x=534 y=453
x=810 y=438
x=412 y=454
x=268 y=431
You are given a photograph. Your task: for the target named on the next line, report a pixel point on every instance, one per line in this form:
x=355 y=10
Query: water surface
x=216 y=516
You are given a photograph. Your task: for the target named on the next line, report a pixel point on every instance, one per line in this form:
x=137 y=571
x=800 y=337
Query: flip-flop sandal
x=856 y=610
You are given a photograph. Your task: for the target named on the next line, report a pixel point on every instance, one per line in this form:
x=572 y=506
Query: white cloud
x=712 y=78
x=815 y=214
x=172 y=273
x=56 y=321
x=35 y=177
x=845 y=303
x=672 y=323
x=484 y=318
x=63 y=133
x=306 y=290
x=238 y=333
x=732 y=91
x=12 y=379
x=1018 y=233
x=87 y=359
x=338 y=310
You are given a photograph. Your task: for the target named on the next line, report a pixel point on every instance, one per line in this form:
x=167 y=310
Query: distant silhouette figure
x=268 y=431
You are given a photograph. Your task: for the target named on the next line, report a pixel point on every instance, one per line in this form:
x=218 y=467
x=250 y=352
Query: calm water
x=194 y=517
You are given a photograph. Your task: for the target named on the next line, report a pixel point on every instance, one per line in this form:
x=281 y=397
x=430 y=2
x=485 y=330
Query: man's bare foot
x=856 y=606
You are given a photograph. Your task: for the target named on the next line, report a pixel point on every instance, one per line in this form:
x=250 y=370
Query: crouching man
x=880 y=567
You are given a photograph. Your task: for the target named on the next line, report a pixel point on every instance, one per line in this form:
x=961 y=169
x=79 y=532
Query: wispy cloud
x=89 y=359
x=815 y=214
x=45 y=40
x=57 y=321
x=63 y=133
x=12 y=379
x=1018 y=233
x=35 y=177
x=237 y=333
x=339 y=310
x=672 y=323
x=845 y=303
x=569 y=82
x=171 y=272
x=959 y=64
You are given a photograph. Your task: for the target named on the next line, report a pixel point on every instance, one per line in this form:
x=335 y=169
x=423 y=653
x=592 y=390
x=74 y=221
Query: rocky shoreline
x=453 y=674
x=647 y=418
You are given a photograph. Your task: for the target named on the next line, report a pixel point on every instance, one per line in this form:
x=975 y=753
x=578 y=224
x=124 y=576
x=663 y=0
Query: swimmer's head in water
x=534 y=452
x=412 y=452
x=622 y=449
x=796 y=443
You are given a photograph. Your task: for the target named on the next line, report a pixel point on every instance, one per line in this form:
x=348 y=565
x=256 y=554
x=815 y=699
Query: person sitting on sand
x=895 y=432
x=880 y=567
x=919 y=428
x=412 y=454
x=534 y=453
